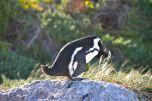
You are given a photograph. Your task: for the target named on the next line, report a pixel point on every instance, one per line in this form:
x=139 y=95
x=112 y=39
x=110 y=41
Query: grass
x=134 y=80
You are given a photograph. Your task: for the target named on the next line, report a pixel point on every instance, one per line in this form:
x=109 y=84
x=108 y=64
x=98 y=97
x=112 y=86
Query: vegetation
x=28 y=27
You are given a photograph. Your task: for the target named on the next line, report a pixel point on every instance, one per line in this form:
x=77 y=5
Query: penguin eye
x=100 y=45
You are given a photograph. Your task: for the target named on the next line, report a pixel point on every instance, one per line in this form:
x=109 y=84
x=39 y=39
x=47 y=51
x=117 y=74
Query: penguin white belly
x=91 y=55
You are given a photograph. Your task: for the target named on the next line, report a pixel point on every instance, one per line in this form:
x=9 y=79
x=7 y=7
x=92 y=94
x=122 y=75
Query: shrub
x=8 y=11
x=15 y=66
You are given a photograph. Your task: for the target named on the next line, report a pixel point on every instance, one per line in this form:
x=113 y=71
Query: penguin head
x=103 y=51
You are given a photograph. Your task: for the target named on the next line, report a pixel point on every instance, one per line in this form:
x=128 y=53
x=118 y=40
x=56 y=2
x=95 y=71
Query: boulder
x=85 y=90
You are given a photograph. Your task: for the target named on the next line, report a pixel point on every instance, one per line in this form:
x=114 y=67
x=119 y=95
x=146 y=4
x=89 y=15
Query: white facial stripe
x=91 y=55
x=71 y=67
x=95 y=45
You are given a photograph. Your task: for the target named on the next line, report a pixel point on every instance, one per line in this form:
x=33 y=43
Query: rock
x=85 y=90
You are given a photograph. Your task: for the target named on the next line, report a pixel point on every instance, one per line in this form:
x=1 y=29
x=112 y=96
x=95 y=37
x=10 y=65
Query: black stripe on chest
x=91 y=51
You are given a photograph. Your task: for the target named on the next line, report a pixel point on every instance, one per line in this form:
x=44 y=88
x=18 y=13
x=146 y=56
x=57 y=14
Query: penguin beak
x=106 y=54
x=103 y=52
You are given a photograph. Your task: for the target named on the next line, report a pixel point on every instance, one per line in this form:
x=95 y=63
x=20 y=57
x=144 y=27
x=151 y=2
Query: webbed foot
x=78 y=79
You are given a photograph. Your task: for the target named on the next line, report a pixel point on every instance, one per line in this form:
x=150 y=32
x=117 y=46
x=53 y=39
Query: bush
x=15 y=66
x=61 y=26
x=8 y=12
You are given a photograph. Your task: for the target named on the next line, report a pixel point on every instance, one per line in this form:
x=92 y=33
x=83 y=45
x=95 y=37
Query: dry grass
x=135 y=80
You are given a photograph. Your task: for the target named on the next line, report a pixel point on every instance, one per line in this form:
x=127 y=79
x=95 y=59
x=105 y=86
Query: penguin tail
x=46 y=70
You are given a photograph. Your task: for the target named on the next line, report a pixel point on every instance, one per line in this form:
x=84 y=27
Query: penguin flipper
x=81 y=67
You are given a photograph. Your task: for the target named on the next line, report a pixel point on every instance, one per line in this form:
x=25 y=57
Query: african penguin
x=73 y=57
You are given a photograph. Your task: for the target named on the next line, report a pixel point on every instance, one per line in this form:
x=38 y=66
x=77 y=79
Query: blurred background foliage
x=33 y=31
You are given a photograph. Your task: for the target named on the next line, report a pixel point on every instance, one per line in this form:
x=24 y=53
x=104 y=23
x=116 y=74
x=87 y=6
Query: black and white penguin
x=72 y=58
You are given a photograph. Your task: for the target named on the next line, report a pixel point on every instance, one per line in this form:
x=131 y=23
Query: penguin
x=72 y=58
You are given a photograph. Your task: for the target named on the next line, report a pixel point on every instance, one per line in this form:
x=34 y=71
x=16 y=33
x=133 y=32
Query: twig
x=35 y=36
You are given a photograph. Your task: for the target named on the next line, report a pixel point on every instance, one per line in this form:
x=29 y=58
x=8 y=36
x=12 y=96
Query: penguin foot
x=78 y=79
